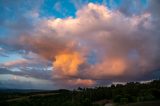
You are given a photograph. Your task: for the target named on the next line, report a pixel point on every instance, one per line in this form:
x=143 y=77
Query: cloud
x=130 y=8
x=124 y=47
x=20 y=82
x=29 y=66
x=15 y=63
x=18 y=16
x=2 y=52
x=27 y=72
x=68 y=63
x=78 y=3
x=57 y=6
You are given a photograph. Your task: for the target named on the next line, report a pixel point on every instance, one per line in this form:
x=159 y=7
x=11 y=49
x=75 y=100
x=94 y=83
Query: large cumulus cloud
x=97 y=45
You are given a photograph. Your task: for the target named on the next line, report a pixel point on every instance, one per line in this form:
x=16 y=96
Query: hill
x=130 y=94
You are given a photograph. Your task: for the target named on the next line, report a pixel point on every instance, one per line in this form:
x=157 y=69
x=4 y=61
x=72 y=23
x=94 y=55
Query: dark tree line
x=119 y=94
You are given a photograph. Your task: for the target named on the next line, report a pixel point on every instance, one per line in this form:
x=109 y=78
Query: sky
x=54 y=44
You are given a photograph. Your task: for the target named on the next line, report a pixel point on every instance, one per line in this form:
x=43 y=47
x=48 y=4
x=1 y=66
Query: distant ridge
x=7 y=90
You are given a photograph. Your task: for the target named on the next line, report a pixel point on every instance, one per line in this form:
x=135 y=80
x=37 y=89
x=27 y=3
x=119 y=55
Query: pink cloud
x=67 y=43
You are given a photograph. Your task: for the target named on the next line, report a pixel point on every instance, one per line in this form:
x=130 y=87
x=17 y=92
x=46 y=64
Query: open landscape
x=79 y=52
x=131 y=94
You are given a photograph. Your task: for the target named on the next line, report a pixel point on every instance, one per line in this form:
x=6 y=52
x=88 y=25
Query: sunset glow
x=68 y=63
x=72 y=43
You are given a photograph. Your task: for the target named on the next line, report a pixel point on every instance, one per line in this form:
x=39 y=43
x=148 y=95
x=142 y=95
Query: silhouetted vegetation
x=118 y=94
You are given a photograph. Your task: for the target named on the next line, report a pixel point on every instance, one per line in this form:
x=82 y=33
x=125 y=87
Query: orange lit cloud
x=114 y=66
x=122 y=46
x=68 y=63
x=111 y=67
x=75 y=82
x=81 y=82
